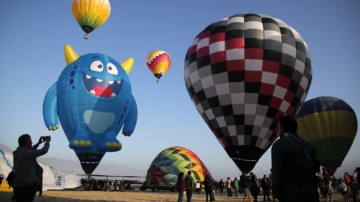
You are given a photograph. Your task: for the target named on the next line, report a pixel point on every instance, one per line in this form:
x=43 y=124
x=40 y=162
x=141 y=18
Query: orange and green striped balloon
x=90 y=14
x=330 y=125
x=171 y=161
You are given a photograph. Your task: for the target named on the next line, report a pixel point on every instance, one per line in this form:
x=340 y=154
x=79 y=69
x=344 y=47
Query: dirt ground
x=133 y=195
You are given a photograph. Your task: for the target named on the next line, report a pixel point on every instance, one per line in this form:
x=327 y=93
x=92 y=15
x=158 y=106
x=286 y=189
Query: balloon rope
x=263 y=164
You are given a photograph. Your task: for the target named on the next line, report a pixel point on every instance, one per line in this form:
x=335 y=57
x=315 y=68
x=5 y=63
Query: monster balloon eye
x=96 y=66
x=112 y=69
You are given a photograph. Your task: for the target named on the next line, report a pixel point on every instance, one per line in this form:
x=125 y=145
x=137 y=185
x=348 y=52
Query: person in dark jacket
x=265 y=187
x=25 y=166
x=221 y=186
x=254 y=188
x=37 y=187
x=209 y=188
x=181 y=186
x=245 y=183
x=189 y=183
x=292 y=164
x=354 y=190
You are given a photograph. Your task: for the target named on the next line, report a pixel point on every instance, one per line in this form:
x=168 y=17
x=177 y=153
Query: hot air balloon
x=330 y=125
x=158 y=62
x=92 y=99
x=171 y=161
x=90 y=14
x=242 y=73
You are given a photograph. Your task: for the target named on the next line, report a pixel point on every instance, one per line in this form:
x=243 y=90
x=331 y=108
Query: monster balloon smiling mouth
x=101 y=88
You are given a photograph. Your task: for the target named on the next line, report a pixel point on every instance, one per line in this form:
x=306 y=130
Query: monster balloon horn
x=93 y=101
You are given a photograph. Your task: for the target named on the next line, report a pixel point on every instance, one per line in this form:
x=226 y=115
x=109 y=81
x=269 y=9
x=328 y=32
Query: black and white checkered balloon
x=242 y=73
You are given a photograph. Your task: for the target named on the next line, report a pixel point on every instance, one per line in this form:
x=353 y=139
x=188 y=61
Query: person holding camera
x=25 y=164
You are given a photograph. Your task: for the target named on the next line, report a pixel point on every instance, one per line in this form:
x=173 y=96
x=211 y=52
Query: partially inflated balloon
x=171 y=161
x=242 y=73
x=158 y=63
x=330 y=125
x=90 y=14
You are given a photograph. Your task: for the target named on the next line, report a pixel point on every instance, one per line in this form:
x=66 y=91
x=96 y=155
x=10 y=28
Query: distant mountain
x=102 y=169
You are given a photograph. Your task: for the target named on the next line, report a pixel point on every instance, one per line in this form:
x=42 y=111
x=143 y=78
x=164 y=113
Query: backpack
x=10 y=178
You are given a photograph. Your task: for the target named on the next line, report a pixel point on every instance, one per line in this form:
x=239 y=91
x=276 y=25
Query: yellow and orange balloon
x=159 y=63
x=90 y=14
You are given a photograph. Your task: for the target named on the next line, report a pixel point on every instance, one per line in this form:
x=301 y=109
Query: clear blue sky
x=33 y=34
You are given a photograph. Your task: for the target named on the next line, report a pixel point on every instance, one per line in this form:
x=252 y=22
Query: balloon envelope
x=330 y=125
x=93 y=101
x=242 y=73
x=158 y=62
x=90 y=14
x=171 y=161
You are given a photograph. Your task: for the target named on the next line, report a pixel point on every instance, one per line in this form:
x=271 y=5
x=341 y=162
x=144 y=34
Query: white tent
x=52 y=178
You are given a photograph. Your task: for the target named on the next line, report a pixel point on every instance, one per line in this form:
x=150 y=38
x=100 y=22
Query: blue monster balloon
x=93 y=101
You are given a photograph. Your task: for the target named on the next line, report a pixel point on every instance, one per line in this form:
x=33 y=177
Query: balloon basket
x=86 y=36
x=157 y=81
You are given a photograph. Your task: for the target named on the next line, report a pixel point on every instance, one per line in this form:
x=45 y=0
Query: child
x=343 y=189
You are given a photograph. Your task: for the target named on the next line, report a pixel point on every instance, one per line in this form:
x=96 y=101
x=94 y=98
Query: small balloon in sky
x=158 y=62
x=93 y=100
x=90 y=14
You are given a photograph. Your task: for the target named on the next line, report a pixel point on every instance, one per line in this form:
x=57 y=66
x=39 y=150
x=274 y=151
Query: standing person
x=265 y=187
x=271 y=184
x=221 y=186
x=342 y=187
x=197 y=187
x=181 y=186
x=347 y=181
x=333 y=183
x=37 y=187
x=327 y=184
x=236 y=187
x=293 y=164
x=25 y=166
x=354 y=190
x=245 y=183
x=1 y=178
x=189 y=182
x=209 y=188
x=254 y=188
x=358 y=176
x=228 y=187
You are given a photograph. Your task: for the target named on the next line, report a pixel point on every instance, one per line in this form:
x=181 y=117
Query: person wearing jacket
x=254 y=188
x=209 y=188
x=293 y=173
x=228 y=187
x=245 y=183
x=354 y=190
x=25 y=166
x=189 y=183
x=181 y=186
x=265 y=187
